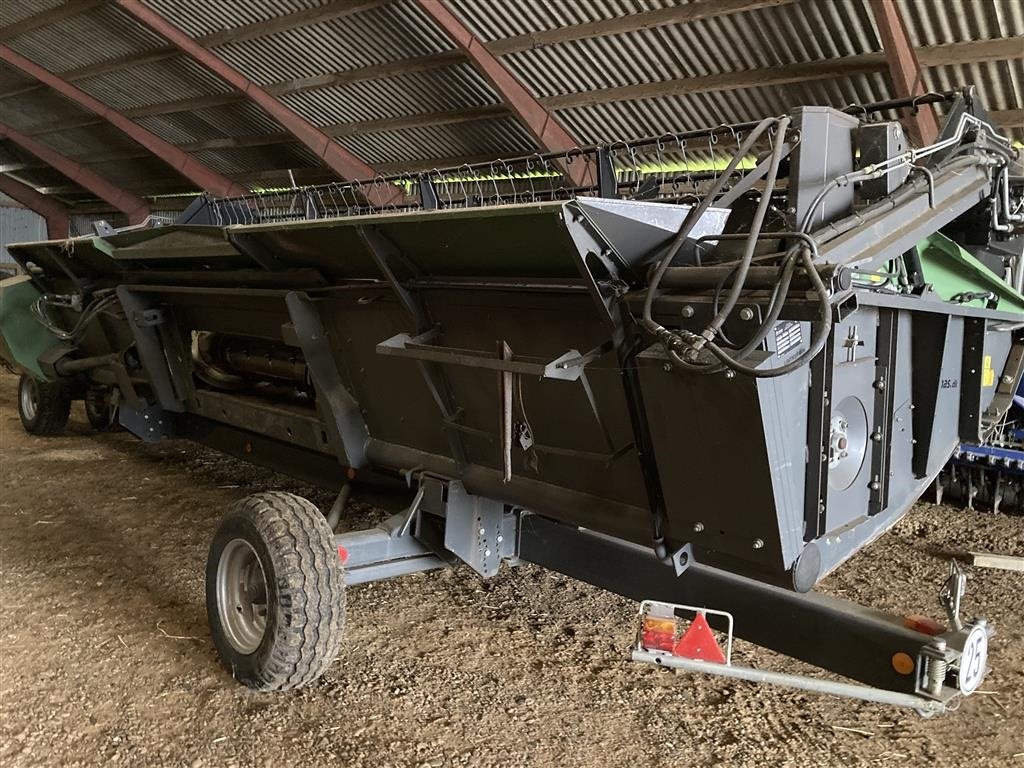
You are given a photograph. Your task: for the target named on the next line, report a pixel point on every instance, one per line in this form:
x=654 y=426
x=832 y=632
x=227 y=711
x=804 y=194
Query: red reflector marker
x=343 y=555
x=698 y=642
x=923 y=624
x=659 y=634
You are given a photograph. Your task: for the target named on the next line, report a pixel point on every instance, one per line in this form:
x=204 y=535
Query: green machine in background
x=23 y=340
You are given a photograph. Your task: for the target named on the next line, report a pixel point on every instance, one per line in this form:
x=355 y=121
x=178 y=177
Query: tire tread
x=310 y=590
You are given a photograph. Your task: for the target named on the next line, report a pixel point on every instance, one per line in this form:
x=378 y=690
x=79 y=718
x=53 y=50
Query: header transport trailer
x=566 y=357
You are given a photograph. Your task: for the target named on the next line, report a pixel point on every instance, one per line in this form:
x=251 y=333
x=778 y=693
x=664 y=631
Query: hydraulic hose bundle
x=706 y=352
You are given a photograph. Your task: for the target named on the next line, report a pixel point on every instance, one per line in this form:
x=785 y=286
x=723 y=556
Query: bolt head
x=746 y=314
x=758 y=544
x=687 y=311
x=698 y=527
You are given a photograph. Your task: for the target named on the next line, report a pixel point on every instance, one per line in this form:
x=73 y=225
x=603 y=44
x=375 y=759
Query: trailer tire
x=100 y=409
x=275 y=547
x=44 y=406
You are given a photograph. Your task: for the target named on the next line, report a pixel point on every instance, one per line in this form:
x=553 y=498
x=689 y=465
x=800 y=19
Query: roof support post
x=542 y=125
x=202 y=176
x=135 y=208
x=904 y=68
x=56 y=215
x=333 y=155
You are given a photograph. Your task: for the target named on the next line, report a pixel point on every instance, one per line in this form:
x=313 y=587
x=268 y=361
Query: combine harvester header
x=571 y=375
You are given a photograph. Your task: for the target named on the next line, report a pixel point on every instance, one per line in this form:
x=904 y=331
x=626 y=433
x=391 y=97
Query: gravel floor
x=105 y=657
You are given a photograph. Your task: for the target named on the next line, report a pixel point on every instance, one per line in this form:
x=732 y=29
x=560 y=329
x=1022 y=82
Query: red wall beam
x=904 y=69
x=202 y=176
x=135 y=208
x=542 y=125
x=333 y=155
x=58 y=220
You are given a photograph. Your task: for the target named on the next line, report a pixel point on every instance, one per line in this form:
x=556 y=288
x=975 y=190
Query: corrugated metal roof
x=482 y=137
x=456 y=87
x=153 y=83
x=202 y=18
x=84 y=39
x=235 y=161
x=352 y=36
x=13 y=11
x=244 y=119
x=942 y=21
x=391 y=32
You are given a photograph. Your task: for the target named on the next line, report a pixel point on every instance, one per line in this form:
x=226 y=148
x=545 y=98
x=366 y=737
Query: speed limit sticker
x=972 y=662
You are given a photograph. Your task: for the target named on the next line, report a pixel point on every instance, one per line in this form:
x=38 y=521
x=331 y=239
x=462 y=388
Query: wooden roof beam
x=135 y=208
x=333 y=155
x=904 y=69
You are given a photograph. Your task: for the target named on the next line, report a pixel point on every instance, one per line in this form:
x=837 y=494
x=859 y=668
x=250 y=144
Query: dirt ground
x=105 y=657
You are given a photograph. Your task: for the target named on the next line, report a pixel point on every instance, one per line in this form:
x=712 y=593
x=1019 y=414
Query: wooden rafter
x=134 y=207
x=55 y=213
x=904 y=68
x=205 y=178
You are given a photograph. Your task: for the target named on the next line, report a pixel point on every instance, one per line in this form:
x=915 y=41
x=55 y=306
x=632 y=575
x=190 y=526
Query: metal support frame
x=389 y=258
x=444 y=524
x=134 y=207
x=161 y=348
x=332 y=154
x=887 y=351
x=339 y=408
x=819 y=415
x=199 y=174
x=56 y=214
x=904 y=68
x=841 y=637
x=589 y=244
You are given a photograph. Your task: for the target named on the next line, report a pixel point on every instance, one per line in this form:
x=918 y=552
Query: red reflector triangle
x=698 y=642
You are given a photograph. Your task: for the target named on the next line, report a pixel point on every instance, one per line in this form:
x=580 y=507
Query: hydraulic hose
x=756 y=225
x=688 y=224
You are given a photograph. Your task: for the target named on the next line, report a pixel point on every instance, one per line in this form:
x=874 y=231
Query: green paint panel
x=22 y=338
x=952 y=270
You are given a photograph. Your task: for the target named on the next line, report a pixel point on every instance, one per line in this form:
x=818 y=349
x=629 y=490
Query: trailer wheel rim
x=242 y=596
x=29 y=396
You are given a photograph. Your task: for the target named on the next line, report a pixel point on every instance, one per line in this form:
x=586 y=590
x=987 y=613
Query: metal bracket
x=478 y=530
x=952 y=593
x=161 y=350
x=567 y=367
x=147 y=422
